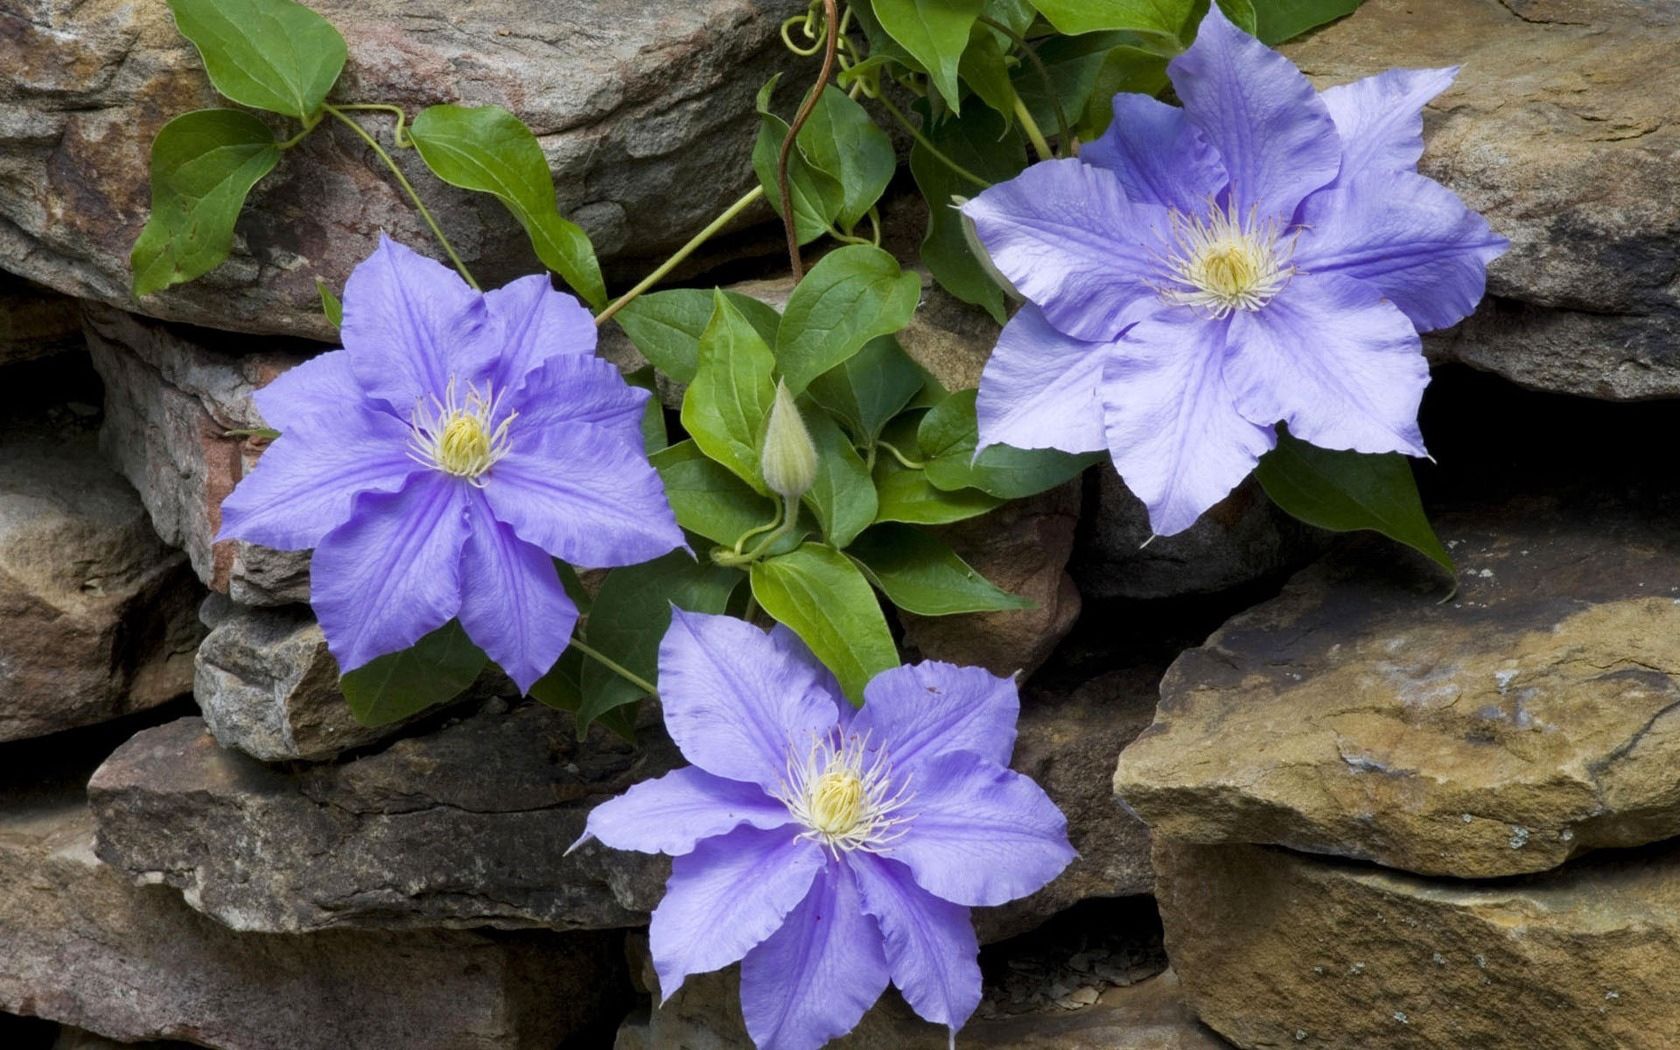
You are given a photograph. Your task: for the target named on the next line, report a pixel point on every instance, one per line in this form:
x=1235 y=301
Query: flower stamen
x=460 y=437
x=1224 y=262
x=843 y=793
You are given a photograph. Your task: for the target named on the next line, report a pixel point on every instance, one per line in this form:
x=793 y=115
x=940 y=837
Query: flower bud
x=789 y=460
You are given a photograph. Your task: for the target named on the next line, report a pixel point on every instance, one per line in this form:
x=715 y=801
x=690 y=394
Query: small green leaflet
x=204 y=163
x=268 y=54
x=1348 y=491
x=330 y=306
x=936 y=33
x=437 y=668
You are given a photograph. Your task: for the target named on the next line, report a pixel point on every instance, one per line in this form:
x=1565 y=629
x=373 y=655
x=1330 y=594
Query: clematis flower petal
x=918 y=712
x=322 y=385
x=579 y=389
x=1380 y=119
x=930 y=943
x=1173 y=427
x=725 y=897
x=584 y=495
x=516 y=609
x=675 y=812
x=736 y=702
x=529 y=324
x=1065 y=235
x=410 y=324
x=306 y=483
x=813 y=979
x=1272 y=131
x=391 y=573
x=982 y=834
x=1159 y=156
x=1039 y=388
x=794 y=648
x=1334 y=360
x=1409 y=236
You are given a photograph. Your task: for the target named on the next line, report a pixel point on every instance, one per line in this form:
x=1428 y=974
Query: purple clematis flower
x=440 y=461
x=1268 y=253
x=833 y=850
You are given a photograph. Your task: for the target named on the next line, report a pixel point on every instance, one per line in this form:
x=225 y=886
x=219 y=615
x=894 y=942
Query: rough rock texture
x=1561 y=129
x=35 y=322
x=1022 y=547
x=1535 y=715
x=1241 y=539
x=705 y=1014
x=83 y=945
x=1067 y=740
x=268 y=686
x=466 y=826
x=644 y=108
x=1281 y=949
x=95 y=612
x=171 y=396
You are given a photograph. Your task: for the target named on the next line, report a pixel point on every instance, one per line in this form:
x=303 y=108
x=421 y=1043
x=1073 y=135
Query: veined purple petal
x=675 y=812
x=306 y=482
x=916 y=712
x=1409 y=236
x=737 y=703
x=1174 y=431
x=513 y=605
x=322 y=385
x=1380 y=119
x=584 y=495
x=1065 y=235
x=813 y=979
x=1273 y=133
x=1159 y=156
x=981 y=834
x=725 y=897
x=529 y=325
x=391 y=573
x=1334 y=360
x=1039 y=389
x=930 y=943
x=795 y=649
x=579 y=389
x=410 y=324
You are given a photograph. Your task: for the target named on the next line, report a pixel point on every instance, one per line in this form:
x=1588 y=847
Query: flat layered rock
x=34 y=322
x=1534 y=716
x=644 y=109
x=95 y=611
x=85 y=946
x=1561 y=129
x=465 y=826
x=1279 y=949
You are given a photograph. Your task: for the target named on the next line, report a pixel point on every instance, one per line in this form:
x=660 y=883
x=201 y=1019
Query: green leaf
x=203 y=165
x=948 y=435
x=981 y=142
x=1348 y=491
x=817 y=197
x=919 y=574
x=1279 y=20
x=1124 y=69
x=725 y=407
x=654 y=435
x=906 y=495
x=630 y=616
x=1072 y=17
x=841 y=140
x=985 y=69
x=330 y=305
x=843 y=495
x=268 y=54
x=852 y=295
x=439 y=667
x=868 y=388
x=1086 y=72
x=707 y=499
x=666 y=326
x=935 y=32
x=489 y=150
x=824 y=599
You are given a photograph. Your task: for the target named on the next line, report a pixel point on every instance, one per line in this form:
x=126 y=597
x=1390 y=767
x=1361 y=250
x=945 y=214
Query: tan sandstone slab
x=1534 y=716
x=1281 y=949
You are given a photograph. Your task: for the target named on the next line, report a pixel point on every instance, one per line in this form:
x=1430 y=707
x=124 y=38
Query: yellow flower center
x=845 y=796
x=460 y=436
x=1223 y=263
